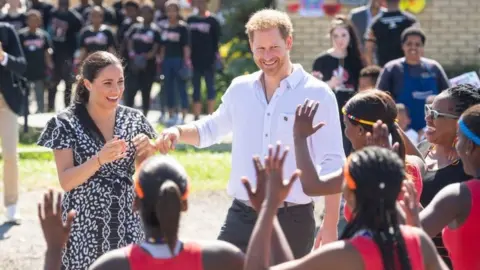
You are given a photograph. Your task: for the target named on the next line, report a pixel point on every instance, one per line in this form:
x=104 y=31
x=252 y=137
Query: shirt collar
x=290 y=82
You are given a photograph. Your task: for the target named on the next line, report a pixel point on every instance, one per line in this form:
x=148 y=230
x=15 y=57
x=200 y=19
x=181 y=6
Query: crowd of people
x=401 y=204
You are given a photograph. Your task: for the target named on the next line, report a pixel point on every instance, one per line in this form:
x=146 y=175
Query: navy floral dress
x=105 y=218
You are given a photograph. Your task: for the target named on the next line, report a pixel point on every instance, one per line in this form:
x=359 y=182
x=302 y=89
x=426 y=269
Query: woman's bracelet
x=99 y=162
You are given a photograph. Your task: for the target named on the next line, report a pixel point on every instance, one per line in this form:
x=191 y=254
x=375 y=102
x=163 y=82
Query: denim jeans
x=174 y=83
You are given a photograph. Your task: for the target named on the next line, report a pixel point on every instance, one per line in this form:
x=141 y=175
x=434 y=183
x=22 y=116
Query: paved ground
x=22 y=247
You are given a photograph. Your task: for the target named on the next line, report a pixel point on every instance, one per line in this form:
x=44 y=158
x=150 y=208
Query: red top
x=189 y=258
x=463 y=243
x=416 y=176
x=372 y=257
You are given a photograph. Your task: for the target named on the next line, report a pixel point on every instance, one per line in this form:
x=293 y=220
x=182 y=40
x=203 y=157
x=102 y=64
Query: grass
x=207 y=170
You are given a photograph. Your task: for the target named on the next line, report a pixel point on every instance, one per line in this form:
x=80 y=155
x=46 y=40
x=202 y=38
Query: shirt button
x=266 y=134
x=268 y=114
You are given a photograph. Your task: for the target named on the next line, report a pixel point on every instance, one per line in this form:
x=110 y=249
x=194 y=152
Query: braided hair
x=464 y=96
x=378 y=174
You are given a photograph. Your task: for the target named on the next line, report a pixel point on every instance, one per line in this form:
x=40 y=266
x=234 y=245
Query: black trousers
x=297 y=222
x=142 y=81
x=63 y=71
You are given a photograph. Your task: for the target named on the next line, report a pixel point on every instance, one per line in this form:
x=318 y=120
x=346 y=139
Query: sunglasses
x=435 y=114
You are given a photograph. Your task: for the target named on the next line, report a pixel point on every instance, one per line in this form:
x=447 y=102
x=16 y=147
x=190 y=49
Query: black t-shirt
x=81 y=9
x=18 y=21
x=119 y=15
x=387 y=28
x=108 y=15
x=34 y=47
x=63 y=30
x=100 y=40
x=174 y=38
x=45 y=9
x=204 y=39
x=123 y=29
x=143 y=37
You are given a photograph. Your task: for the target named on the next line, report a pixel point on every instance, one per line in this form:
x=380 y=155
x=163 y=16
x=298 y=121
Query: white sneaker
x=12 y=214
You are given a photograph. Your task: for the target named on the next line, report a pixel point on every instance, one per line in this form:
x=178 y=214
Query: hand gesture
x=409 y=204
x=277 y=190
x=143 y=145
x=56 y=233
x=167 y=140
x=256 y=198
x=303 y=127
x=334 y=82
x=112 y=150
x=379 y=137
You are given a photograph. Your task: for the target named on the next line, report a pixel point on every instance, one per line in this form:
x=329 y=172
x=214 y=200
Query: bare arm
x=220 y=255
x=369 y=47
x=445 y=207
x=73 y=176
x=431 y=259
x=114 y=259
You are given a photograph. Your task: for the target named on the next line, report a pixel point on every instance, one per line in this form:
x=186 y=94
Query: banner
x=311 y=8
x=469 y=77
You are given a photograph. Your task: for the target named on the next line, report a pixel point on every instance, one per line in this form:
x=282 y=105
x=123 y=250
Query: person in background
x=362 y=16
x=38 y=50
x=45 y=10
x=12 y=64
x=132 y=14
x=64 y=27
x=383 y=35
x=368 y=77
x=97 y=144
x=411 y=79
x=118 y=7
x=175 y=57
x=143 y=44
x=404 y=121
x=340 y=65
x=204 y=38
x=259 y=109
x=443 y=165
x=374 y=239
x=15 y=14
x=108 y=13
x=97 y=36
x=82 y=6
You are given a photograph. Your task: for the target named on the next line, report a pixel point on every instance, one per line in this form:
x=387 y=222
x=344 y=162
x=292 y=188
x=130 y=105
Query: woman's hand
x=113 y=150
x=379 y=137
x=409 y=204
x=303 y=126
x=277 y=189
x=334 y=82
x=143 y=145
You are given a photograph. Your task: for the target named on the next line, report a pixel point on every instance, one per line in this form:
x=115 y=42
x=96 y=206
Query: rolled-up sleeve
x=214 y=127
x=327 y=143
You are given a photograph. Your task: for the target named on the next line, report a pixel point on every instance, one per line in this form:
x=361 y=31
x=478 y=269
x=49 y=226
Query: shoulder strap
x=369 y=252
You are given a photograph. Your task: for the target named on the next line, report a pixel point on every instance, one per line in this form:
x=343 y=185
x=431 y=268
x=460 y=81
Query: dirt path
x=22 y=247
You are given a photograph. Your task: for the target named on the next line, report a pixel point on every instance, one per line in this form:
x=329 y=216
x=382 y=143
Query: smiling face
x=107 y=88
x=270 y=50
x=413 y=48
x=441 y=129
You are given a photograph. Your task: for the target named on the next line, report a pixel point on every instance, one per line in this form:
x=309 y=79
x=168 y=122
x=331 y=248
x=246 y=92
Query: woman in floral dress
x=97 y=143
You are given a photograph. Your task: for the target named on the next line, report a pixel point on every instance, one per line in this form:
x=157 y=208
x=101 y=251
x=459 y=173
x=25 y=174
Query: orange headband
x=348 y=177
x=141 y=195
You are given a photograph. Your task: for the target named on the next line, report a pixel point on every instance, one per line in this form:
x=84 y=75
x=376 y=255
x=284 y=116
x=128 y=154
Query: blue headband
x=468 y=133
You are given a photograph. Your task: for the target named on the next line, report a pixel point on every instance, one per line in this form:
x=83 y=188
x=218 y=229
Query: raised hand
x=277 y=188
x=56 y=232
x=143 y=145
x=379 y=137
x=303 y=126
x=167 y=140
x=409 y=204
x=256 y=198
x=112 y=150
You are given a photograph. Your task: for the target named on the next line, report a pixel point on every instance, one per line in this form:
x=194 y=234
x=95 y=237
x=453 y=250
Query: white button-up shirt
x=256 y=124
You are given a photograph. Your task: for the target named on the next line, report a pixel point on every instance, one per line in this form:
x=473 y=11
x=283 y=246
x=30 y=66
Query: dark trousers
x=297 y=222
x=139 y=81
x=63 y=71
x=209 y=76
x=174 y=84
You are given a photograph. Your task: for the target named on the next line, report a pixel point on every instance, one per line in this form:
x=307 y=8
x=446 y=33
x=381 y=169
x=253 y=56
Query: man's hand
x=256 y=198
x=167 y=140
x=2 y=52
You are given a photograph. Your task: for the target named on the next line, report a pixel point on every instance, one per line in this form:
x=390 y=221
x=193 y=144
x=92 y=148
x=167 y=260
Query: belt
x=284 y=205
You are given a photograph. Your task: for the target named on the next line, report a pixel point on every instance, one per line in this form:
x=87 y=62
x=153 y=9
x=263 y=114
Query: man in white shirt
x=259 y=109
